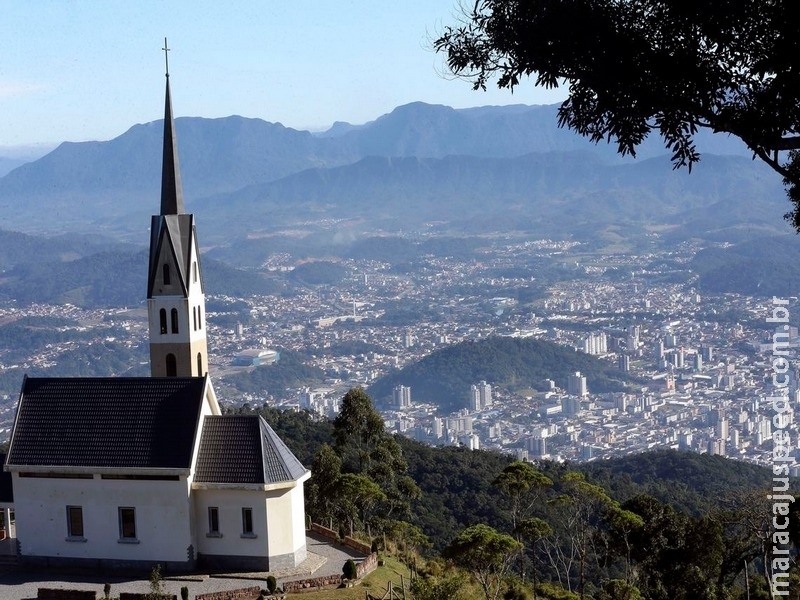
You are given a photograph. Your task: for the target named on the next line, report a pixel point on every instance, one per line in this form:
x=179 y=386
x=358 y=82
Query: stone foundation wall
x=250 y=593
x=57 y=594
x=226 y=562
x=49 y=563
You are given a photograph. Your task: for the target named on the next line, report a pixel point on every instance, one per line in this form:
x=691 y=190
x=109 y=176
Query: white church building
x=120 y=472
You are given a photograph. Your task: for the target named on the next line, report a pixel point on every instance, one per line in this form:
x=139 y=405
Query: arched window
x=174 y=320
x=199 y=365
x=165 y=272
x=194 y=271
x=172 y=366
x=199 y=318
x=162 y=315
x=194 y=318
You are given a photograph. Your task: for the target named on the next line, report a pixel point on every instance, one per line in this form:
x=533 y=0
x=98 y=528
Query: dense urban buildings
x=700 y=360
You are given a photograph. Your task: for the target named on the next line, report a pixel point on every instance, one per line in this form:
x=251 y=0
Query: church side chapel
x=123 y=472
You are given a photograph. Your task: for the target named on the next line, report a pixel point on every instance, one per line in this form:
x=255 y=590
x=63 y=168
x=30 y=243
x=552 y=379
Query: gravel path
x=324 y=559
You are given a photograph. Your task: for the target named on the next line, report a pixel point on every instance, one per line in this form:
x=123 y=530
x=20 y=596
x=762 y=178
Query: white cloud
x=16 y=89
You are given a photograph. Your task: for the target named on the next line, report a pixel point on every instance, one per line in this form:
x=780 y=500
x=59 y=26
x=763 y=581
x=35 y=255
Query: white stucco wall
x=229 y=504
x=286 y=520
x=163 y=518
x=278 y=521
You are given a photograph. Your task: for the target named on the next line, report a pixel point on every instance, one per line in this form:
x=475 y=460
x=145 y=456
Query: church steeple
x=175 y=299
x=171 y=191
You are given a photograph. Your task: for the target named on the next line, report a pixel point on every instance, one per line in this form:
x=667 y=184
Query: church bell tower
x=175 y=299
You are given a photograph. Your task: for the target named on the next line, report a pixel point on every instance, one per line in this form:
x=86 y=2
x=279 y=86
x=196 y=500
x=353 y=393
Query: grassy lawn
x=376 y=583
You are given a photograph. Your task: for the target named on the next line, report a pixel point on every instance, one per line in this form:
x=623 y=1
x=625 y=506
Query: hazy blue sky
x=89 y=70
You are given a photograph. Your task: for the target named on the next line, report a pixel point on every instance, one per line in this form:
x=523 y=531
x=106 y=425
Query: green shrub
x=349 y=570
x=549 y=591
x=272 y=584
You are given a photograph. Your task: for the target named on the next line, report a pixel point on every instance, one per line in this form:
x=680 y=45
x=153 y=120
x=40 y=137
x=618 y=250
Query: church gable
x=172 y=244
x=121 y=423
x=244 y=449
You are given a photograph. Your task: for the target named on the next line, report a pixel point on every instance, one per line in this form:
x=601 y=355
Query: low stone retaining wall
x=357 y=546
x=57 y=594
x=367 y=566
x=324 y=531
x=250 y=593
x=312 y=584
x=363 y=568
x=348 y=541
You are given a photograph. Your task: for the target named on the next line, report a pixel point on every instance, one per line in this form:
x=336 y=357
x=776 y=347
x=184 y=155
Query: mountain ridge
x=282 y=175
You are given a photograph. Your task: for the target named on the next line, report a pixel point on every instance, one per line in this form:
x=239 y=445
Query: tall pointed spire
x=175 y=299
x=171 y=190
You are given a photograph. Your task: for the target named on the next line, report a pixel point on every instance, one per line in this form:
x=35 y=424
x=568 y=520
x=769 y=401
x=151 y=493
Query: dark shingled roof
x=244 y=449
x=118 y=422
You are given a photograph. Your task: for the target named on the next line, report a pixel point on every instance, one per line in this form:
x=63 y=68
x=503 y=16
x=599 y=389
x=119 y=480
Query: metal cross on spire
x=166 y=55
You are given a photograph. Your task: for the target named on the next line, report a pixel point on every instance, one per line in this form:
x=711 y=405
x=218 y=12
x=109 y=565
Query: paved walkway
x=324 y=558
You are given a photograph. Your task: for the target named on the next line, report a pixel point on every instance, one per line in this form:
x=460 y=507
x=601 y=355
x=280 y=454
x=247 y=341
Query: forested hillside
x=658 y=525
x=444 y=377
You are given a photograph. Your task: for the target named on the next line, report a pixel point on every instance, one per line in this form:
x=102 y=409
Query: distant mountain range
x=503 y=168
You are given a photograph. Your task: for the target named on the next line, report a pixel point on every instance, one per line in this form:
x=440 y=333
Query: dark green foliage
x=300 y=432
x=98 y=359
x=487 y=554
x=351 y=348
x=272 y=584
x=322 y=488
x=83 y=282
x=358 y=430
x=762 y=267
x=86 y=282
x=438 y=588
x=319 y=273
x=549 y=591
x=389 y=249
x=349 y=570
x=516 y=590
x=409 y=312
x=367 y=449
x=19 y=248
x=617 y=589
x=24 y=337
x=274 y=379
x=671 y=524
x=397 y=250
x=444 y=377
x=457 y=489
x=185 y=592
x=692 y=483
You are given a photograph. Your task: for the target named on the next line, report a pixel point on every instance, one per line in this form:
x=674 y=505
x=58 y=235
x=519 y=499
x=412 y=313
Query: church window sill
x=213 y=534
x=248 y=536
x=74 y=538
x=127 y=541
